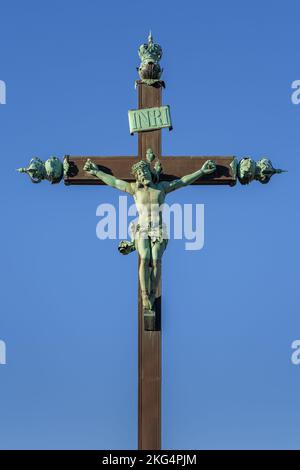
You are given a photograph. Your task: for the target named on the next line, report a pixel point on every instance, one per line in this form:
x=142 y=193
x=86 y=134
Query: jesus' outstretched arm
x=207 y=168
x=110 y=180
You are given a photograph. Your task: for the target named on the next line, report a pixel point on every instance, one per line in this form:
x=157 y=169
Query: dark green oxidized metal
x=148 y=235
x=248 y=170
x=125 y=247
x=150 y=55
x=52 y=170
x=149 y=155
x=149 y=119
x=36 y=170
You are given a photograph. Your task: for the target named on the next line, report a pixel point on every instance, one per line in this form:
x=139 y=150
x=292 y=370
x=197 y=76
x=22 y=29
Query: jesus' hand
x=208 y=167
x=90 y=167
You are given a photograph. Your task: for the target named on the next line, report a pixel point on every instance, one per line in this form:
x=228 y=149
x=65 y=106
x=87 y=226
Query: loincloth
x=156 y=234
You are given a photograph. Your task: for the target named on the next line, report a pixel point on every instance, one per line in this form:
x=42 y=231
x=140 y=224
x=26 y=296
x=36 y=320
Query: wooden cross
x=227 y=172
x=149 y=342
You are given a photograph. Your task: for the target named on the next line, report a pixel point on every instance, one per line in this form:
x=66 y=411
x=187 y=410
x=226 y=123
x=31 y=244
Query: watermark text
x=2 y=92
x=295 y=97
x=2 y=352
x=175 y=221
x=295 y=357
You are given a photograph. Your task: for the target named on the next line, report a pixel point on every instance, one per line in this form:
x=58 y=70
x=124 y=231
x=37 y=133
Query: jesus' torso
x=148 y=200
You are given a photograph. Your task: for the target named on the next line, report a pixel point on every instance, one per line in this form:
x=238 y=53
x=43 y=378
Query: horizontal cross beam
x=173 y=167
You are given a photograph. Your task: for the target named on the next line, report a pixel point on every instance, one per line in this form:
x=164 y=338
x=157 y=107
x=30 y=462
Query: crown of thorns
x=138 y=166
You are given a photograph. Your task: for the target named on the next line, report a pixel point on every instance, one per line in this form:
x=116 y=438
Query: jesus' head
x=142 y=172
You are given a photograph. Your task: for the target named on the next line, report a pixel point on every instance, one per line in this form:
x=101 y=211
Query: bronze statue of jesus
x=149 y=238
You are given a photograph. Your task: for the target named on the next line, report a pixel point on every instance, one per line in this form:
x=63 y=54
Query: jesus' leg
x=157 y=251
x=143 y=248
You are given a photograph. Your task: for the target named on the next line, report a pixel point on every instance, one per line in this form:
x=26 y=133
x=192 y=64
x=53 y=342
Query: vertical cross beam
x=149 y=342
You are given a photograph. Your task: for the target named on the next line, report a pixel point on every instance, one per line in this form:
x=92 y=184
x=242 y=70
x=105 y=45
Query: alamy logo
x=295 y=357
x=2 y=92
x=2 y=352
x=161 y=222
x=296 y=94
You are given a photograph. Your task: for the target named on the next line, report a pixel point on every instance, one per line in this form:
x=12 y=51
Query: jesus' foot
x=146 y=300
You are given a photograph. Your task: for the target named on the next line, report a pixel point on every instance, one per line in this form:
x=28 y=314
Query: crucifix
x=149 y=177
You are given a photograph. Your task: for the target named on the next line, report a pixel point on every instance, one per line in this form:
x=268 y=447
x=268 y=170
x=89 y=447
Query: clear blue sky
x=68 y=300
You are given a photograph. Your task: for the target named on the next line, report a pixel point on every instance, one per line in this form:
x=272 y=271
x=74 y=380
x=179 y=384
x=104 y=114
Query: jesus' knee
x=156 y=263
x=144 y=260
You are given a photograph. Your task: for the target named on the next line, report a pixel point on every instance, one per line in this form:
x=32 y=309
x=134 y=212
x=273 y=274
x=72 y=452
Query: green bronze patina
x=149 y=119
x=150 y=55
x=149 y=236
x=149 y=155
x=52 y=170
x=248 y=170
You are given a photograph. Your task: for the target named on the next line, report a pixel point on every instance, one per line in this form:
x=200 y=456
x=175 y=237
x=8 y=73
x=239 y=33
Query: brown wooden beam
x=117 y=166
x=176 y=167
x=149 y=342
x=173 y=167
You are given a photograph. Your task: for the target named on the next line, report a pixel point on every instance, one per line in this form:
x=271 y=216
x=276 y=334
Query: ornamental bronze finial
x=150 y=55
